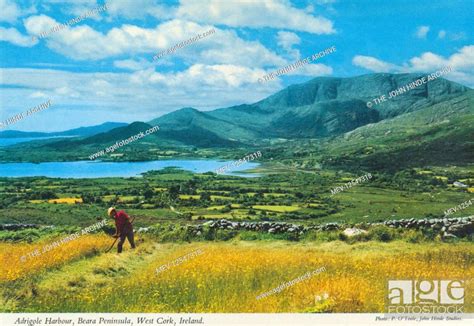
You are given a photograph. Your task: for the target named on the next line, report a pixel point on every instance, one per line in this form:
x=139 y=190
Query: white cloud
x=422 y=31
x=248 y=13
x=131 y=64
x=83 y=42
x=461 y=62
x=38 y=95
x=254 y=14
x=67 y=92
x=286 y=40
x=373 y=64
x=309 y=9
x=74 y=7
x=9 y=11
x=227 y=48
x=222 y=47
x=426 y=62
x=201 y=86
x=442 y=34
x=140 y=9
x=312 y=70
x=38 y=24
x=13 y=36
x=216 y=76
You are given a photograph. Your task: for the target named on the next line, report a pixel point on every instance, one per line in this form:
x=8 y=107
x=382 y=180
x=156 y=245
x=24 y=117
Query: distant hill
x=110 y=136
x=92 y=130
x=79 y=132
x=22 y=134
x=318 y=108
x=423 y=124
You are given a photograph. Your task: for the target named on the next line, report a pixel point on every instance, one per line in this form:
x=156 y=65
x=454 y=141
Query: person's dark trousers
x=126 y=233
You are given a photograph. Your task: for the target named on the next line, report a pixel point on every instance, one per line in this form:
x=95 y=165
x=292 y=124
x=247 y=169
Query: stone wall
x=447 y=227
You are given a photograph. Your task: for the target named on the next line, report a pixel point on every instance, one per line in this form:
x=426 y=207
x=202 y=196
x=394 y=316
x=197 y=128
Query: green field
x=290 y=195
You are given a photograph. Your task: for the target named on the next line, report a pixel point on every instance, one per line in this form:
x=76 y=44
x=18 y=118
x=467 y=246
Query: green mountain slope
x=193 y=127
x=318 y=108
x=89 y=131
x=104 y=138
x=437 y=135
x=427 y=125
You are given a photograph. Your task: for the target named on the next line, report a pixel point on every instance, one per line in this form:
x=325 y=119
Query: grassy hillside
x=437 y=135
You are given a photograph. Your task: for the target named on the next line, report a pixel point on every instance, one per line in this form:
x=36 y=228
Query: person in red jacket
x=123 y=226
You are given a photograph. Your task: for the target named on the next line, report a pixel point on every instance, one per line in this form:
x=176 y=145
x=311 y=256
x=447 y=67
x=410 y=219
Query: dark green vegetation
x=438 y=135
x=171 y=232
x=182 y=197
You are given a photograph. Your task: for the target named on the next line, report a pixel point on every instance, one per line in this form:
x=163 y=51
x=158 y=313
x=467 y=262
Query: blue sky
x=102 y=69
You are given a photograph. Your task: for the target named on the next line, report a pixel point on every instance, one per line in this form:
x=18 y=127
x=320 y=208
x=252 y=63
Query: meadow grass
x=277 y=208
x=189 y=196
x=12 y=267
x=229 y=276
x=215 y=197
x=65 y=200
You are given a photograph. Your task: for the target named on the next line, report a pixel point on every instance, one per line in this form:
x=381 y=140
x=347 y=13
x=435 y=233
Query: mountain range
x=333 y=110
x=77 y=132
x=318 y=108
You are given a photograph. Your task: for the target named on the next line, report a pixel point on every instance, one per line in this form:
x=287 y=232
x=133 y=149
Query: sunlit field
x=13 y=267
x=227 y=277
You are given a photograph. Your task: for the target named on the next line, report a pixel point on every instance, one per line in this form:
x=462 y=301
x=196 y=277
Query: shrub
x=225 y=235
x=343 y=237
x=253 y=235
x=430 y=233
x=382 y=233
x=226 y=209
x=322 y=236
x=414 y=236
